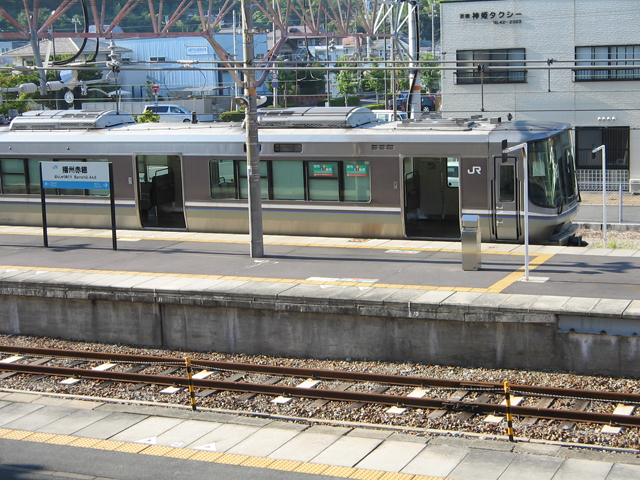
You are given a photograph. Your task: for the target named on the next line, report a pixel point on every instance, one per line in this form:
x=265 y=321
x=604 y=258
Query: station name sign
x=77 y=175
x=498 y=18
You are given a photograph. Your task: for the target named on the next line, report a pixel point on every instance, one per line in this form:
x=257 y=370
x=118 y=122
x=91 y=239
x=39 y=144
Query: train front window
x=545 y=185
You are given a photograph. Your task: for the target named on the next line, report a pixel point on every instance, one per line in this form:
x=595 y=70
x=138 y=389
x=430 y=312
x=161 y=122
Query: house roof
x=63 y=46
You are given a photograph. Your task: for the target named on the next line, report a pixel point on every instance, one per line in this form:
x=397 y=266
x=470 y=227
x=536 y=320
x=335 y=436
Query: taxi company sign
x=85 y=175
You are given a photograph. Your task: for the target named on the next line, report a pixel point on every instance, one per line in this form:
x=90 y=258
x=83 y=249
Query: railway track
x=437 y=397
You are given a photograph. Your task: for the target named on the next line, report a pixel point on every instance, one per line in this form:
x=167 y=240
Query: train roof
x=314 y=124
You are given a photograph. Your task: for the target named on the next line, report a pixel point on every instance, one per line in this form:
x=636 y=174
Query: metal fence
x=622 y=205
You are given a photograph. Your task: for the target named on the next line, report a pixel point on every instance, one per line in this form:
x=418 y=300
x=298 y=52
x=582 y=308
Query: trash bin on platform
x=471 y=252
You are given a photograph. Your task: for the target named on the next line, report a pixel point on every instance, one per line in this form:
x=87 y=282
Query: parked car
x=387 y=115
x=170 y=113
x=427 y=104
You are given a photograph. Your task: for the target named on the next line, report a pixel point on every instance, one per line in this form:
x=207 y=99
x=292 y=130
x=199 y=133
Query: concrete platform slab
x=347 y=452
x=624 y=472
x=482 y=465
x=187 y=432
x=531 y=467
x=264 y=442
x=110 y=425
x=147 y=428
x=438 y=460
x=225 y=437
x=73 y=422
x=391 y=456
x=572 y=469
x=14 y=411
x=304 y=446
x=38 y=418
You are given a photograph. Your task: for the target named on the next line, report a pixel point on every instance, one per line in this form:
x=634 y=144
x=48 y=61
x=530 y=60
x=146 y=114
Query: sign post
x=155 y=89
x=77 y=175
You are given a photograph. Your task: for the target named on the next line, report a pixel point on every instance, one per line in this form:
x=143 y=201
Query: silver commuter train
x=324 y=172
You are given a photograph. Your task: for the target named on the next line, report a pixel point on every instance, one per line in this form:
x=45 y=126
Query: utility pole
x=414 y=54
x=251 y=124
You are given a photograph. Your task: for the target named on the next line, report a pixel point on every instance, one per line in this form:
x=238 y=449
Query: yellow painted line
x=518 y=274
x=495 y=288
x=206 y=456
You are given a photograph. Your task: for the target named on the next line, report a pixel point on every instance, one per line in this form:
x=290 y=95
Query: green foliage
x=148 y=117
x=352 y=101
x=377 y=106
x=232 y=116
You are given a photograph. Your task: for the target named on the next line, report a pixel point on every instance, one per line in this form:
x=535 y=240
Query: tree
x=430 y=78
x=374 y=80
x=347 y=80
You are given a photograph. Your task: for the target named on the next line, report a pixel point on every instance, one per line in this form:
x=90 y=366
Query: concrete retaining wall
x=436 y=327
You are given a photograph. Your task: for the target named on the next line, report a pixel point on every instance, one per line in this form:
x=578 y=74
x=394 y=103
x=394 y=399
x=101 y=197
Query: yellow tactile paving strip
x=214 y=457
x=495 y=288
x=534 y=261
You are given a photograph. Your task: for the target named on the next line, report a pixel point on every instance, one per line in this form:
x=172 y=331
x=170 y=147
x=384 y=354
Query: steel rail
x=332 y=395
x=399 y=380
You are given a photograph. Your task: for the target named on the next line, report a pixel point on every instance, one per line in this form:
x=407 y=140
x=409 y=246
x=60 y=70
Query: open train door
x=431 y=198
x=506 y=199
x=160 y=198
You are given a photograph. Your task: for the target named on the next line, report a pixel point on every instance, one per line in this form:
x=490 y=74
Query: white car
x=387 y=115
x=170 y=113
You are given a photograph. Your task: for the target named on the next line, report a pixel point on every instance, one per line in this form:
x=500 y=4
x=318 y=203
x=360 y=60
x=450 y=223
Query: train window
x=453 y=173
x=264 y=180
x=288 y=180
x=507 y=183
x=14 y=177
x=357 y=187
x=33 y=169
x=222 y=179
x=323 y=181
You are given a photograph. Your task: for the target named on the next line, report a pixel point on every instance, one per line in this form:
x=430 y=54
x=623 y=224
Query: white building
x=570 y=36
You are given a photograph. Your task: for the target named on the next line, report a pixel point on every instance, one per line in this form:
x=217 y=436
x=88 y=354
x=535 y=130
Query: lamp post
x=603 y=148
x=525 y=151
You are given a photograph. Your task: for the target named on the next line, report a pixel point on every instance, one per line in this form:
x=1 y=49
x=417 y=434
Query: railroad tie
x=246 y=396
x=357 y=405
x=208 y=392
x=579 y=406
x=138 y=386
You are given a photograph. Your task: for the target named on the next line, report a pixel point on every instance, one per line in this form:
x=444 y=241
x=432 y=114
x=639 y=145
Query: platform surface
x=51 y=437
x=187 y=260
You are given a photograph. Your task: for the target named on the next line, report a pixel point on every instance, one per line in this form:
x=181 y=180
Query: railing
x=622 y=203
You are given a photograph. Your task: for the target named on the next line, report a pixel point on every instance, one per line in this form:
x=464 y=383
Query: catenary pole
x=251 y=125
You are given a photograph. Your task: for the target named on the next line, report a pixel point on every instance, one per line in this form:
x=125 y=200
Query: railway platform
x=393 y=300
x=47 y=437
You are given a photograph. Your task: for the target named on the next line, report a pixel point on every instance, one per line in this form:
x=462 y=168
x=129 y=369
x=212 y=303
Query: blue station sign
x=79 y=175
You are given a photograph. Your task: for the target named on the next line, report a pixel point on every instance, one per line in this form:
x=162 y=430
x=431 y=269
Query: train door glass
x=431 y=198
x=160 y=199
x=506 y=205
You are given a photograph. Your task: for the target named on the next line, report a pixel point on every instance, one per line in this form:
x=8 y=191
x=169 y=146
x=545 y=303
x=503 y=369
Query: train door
x=160 y=198
x=431 y=199
x=506 y=200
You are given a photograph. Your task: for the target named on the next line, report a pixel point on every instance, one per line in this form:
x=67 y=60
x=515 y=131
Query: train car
x=324 y=171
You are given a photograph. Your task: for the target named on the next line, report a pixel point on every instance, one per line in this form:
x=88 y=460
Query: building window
x=605 y=58
x=487 y=66
x=157 y=59
x=616 y=141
